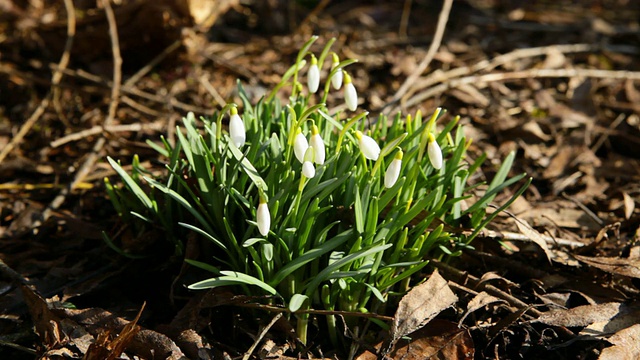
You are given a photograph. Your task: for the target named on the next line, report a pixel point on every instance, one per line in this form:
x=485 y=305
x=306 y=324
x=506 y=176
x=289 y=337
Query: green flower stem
x=346 y=128
x=302 y=324
x=221 y=115
x=284 y=81
x=301 y=55
x=327 y=84
x=325 y=52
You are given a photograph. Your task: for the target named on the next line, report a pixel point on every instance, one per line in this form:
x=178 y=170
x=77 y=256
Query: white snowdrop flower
x=350 y=93
x=393 y=171
x=300 y=146
x=435 y=153
x=313 y=75
x=236 y=128
x=368 y=146
x=308 y=170
x=263 y=217
x=336 y=79
x=318 y=145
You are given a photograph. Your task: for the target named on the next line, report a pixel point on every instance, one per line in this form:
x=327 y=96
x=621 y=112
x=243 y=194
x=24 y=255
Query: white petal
x=263 y=218
x=392 y=174
x=435 y=154
x=236 y=130
x=336 y=80
x=300 y=146
x=308 y=170
x=350 y=96
x=318 y=146
x=369 y=147
x=313 y=78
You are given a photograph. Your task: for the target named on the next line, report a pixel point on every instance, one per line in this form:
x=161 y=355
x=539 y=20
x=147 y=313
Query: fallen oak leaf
x=581 y=315
x=613 y=265
x=626 y=345
x=420 y=305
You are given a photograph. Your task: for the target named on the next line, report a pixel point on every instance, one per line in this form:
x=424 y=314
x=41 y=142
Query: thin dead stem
x=433 y=48
x=492 y=290
x=91 y=159
x=518 y=75
x=262 y=334
x=55 y=80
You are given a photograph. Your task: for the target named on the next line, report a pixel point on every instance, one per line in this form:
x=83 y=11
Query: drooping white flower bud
x=236 y=128
x=308 y=170
x=318 y=145
x=336 y=79
x=300 y=146
x=393 y=171
x=263 y=217
x=350 y=93
x=313 y=75
x=368 y=146
x=435 y=153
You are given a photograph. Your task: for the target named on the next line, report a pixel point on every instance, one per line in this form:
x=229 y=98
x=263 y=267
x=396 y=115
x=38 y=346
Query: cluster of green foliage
x=341 y=231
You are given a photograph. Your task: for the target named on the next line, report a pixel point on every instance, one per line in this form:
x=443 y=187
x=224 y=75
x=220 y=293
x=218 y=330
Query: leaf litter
x=577 y=135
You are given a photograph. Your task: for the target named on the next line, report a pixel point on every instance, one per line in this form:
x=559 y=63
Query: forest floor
x=558 y=81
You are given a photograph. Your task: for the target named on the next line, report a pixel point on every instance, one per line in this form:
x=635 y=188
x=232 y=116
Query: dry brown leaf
x=533 y=235
x=507 y=321
x=555 y=299
x=110 y=349
x=144 y=343
x=533 y=128
x=205 y=13
x=45 y=322
x=440 y=340
x=559 y=163
x=563 y=217
x=628 y=315
x=626 y=345
x=613 y=265
x=479 y=301
x=581 y=316
x=492 y=275
x=420 y=305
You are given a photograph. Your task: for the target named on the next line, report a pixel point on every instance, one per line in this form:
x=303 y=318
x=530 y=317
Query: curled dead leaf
x=420 y=305
x=613 y=265
x=479 y=301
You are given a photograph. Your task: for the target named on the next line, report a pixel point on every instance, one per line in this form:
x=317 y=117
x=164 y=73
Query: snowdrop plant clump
x=307 y=203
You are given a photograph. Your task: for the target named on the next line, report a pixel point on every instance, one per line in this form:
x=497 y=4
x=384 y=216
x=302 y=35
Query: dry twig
x=433 y=48
x=55 y=80
x=86 y=167
x=518 y=75
x=490 y=289
x=101 y=129
x=264 y=332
